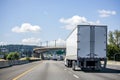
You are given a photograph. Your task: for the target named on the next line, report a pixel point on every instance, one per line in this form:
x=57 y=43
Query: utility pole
x=46 y=43
x=55 y=43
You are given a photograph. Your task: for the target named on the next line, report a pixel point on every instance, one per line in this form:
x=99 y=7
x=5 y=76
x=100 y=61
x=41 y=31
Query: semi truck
x=86 y=47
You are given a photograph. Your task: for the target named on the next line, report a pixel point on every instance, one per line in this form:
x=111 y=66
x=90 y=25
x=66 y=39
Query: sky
x=33 y=21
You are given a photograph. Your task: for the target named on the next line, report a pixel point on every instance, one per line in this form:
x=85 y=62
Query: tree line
x=10 y=55
x=113 y=47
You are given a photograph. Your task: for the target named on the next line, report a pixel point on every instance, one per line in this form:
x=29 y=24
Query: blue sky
x=33 y=21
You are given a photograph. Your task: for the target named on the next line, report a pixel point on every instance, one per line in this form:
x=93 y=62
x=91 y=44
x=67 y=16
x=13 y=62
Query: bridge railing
x=54 y=43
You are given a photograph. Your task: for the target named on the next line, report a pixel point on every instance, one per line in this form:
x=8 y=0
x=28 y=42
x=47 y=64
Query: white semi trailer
x=86 y=47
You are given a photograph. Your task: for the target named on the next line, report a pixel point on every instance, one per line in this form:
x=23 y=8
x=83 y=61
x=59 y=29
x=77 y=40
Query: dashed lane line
x=65 y=69
x=71 y=73
x=75 y=76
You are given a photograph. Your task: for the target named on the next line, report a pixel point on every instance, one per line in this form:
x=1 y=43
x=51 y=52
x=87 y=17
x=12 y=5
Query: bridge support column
x=36 y=55
x=41 y=55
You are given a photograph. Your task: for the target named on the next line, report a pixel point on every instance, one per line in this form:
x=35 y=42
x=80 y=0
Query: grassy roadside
x=113 y=62
x=25 y=58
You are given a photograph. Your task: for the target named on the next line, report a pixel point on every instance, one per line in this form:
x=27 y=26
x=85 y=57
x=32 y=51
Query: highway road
x=55 y=70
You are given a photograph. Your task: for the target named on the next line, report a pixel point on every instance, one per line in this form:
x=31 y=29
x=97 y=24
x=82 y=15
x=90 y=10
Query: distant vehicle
x=54 y=57
x=60 y=58
x=86 y=47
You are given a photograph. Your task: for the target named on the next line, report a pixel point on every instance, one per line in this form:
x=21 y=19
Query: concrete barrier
x=12 y=62
x=17 y=62
x=4 y=64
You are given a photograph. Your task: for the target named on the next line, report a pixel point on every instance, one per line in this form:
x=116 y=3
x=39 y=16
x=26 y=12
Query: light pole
x=55 y=43
x=46 y=43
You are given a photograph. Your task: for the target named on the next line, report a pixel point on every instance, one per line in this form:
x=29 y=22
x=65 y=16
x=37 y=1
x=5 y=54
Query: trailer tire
x=73 y=65
x=67 y=63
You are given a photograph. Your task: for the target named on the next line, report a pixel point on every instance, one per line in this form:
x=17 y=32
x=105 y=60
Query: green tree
x=5 y=56
x=111 y=38
x=117 y=37
x=16 y=55
x=13 y=56
x=114 y=44
x=10 y=56
x=114 y=37
x=111 y=51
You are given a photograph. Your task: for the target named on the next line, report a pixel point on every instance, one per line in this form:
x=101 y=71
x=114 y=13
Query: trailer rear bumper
x=94 y=63
x=92 y=59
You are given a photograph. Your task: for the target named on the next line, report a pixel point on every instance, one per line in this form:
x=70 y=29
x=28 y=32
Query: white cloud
x=3 y=43
x=96 y=22
x=60 y=41
x=76 y=20
x=26 y=27
x=106 y=13
x=31 y=41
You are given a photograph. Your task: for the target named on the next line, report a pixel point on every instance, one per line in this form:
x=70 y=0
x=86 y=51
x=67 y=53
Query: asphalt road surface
x=55 y=70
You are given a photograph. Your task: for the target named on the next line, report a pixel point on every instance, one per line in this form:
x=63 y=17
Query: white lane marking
x=118 y=74
x=65 y=69
x=75 y=76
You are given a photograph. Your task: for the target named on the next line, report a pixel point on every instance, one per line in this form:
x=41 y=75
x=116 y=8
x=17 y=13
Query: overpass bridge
x=41 y=50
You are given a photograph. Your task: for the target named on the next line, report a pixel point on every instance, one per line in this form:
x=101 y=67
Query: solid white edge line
x=75 y=76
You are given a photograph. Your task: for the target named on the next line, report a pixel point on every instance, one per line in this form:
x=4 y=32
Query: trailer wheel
x=67 y=63
x=73 y=65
